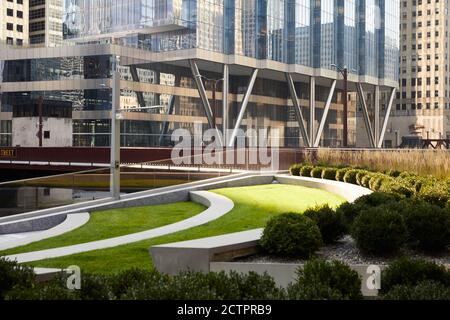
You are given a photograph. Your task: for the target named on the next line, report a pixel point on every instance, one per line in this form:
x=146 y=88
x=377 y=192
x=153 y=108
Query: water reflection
x=25 y=199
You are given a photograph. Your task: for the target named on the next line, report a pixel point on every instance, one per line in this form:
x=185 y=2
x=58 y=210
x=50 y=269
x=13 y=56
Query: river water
x=24 y=199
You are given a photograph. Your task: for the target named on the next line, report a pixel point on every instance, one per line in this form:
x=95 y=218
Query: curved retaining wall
x=32 y=224
x=217 y=206
x=349 y=192
x=71 y=222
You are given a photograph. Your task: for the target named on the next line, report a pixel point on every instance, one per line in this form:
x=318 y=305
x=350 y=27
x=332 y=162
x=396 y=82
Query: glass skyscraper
x=159 y=46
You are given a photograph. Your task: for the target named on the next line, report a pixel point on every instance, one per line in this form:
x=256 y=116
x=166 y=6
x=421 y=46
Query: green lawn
x=253 y=207
x=115 y=223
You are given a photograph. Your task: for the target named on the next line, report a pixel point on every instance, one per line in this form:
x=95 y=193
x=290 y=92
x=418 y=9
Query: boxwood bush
x=14 y=275
x=350 y=176
x=366 y=180
x=323 y=280
x=210 y=286
x=426 y=290
x=305 y=171
x=349 y=211
x=295 y=169
x=379 y=230
x=329 y=173
x=291 y=235
x=410 y=272
x=317 y=172
x=396 y=187
x=330 y=223
x=428 y=225
x=340 y=174
x=436 y=193
x=360 y=175
x=376 y=181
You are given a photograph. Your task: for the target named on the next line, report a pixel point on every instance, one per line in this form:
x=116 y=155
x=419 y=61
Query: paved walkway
x=72 y=222
x=218 y=206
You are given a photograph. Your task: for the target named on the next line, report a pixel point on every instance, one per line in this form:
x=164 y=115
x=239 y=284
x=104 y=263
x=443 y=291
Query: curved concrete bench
x=349 y=192
x=217 y=206
x=72 y=222
x=196 y=255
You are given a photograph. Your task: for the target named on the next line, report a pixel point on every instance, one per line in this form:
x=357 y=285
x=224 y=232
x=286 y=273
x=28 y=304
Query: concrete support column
x=115 y=137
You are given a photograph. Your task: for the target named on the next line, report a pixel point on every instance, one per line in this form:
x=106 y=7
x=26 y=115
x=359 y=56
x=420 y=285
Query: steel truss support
x=325 y=115
x=203 y=96
x=139 y=95
x=312 y=109
x=376 y=129
x=165 y=126
x=376 y=134
x=225 y=92
x=243 y=109
x=369 y=129
x=386 y=118
x=298 y=110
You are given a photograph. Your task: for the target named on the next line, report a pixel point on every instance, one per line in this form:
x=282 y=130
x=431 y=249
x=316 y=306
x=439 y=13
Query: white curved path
x=217 y=207
x=72 y=222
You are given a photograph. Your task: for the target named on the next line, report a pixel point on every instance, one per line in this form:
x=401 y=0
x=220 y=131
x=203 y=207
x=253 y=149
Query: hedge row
x=404 y=279
x=400 y=184
x=380 y=223
x=317 y=280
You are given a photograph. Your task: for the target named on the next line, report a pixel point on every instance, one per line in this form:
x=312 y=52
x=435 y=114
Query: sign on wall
x=8 y=153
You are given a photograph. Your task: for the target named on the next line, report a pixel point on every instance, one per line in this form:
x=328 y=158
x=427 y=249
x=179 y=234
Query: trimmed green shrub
x=317 y=172
x=376 y=181
x=96 y=287
x=437 y=193
x=320 y=280
x=360 y=175
x=396 y=187
x=410 y=272
x=251 y=286
x=14 y=275
x=350 y=176
x=51 y=291
x=393 y=173
x=426 y=290
x=305 y=171
x=366 y=180
x=210 y=286
x=291 y=235
x=329 y=173
x=379 y=230
x=428 y=225
x=349 y=211
x=295 y=169
x=154 y=282
x=330 y=223
x=340 y=174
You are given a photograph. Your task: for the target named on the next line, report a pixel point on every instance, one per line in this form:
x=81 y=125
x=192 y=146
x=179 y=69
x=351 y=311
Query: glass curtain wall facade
x=315 y=34
x=362 y=35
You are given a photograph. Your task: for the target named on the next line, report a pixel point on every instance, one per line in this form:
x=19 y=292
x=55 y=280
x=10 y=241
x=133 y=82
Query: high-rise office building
x=227 y=64
x=46 y=22
x=14 y=22
x=422 y=106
